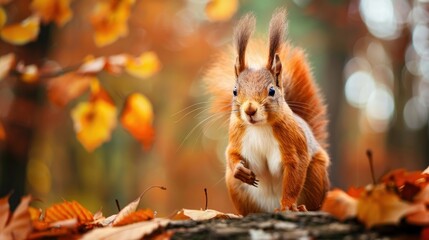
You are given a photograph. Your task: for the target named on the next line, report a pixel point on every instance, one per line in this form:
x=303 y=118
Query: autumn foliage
x=398 y=195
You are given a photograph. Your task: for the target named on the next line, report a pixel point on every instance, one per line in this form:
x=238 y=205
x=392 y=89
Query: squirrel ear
x=276 y=69
x=237 y=67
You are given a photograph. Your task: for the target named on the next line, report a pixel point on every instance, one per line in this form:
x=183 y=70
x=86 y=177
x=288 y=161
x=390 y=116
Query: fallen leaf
x=68 y=210
x=54 y=10
x=379 y=205
x=137 y=118
x=65 y=88
x=420 y=218
x=200 y=215
x=127 y=210
x=221 y=10
x=144 y=66
x=6 y=64
x=137 y=216
x=109 y=20
x=94 y=122
x=355 y=192
x=19 y=225
x=340 y=204
x=132 y=231
x=4 y=211
x=21 y=33
x=3 y=17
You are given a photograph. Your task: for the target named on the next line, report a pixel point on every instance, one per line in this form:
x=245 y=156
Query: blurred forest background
x=371 y=59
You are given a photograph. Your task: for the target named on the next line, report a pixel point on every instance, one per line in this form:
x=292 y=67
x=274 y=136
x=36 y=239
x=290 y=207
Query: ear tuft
x=276 y=69
x=277 y=33
x=242 y=33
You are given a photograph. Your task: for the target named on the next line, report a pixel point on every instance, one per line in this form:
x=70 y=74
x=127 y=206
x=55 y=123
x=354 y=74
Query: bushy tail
x=301 y=92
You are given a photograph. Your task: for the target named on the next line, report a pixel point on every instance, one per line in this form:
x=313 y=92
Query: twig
x=207 y=199
x=117 y=205
x=371 y=165
x=149 y=188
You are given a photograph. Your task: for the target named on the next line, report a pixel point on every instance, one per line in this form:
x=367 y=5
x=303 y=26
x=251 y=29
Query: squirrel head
x=258 y=93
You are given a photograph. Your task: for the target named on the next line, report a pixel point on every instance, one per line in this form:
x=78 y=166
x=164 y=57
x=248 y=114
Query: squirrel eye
x=271 y=91
x=234 y=91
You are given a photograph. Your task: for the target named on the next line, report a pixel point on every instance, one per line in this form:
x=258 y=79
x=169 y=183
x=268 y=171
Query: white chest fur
x=261 y=150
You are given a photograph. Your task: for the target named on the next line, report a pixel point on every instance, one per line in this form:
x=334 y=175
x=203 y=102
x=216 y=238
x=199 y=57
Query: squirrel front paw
x=245 y=175
x=293 y=208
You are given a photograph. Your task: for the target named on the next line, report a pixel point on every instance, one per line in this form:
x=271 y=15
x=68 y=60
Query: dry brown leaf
x=200 y=215
x=53 y=10
x=63 y=89
x=127 y=210
x=144 y=66
x=19 y=225
x=382 y=206
x=137 y=216
x=340 y=204
x=21 y=33
x=6 y=64
x=68 y=210
x=137 y=118
x=4 y=211
x=221 y=10
x=132 y=231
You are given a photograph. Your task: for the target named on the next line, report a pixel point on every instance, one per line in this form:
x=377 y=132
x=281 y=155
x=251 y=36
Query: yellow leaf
x=6 y=63
x=137 y=118
x=382 y=206
x=340 y=204
x=94 y=122
x=3 y=17
x=144 y=66
x=22 y=33
x=53 y=10
x=109 y=20
x=221 y=10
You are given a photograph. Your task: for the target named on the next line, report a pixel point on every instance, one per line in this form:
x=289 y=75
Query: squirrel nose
x=250 y=111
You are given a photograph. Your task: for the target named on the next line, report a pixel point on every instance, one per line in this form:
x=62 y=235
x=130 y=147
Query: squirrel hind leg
x=316 y=183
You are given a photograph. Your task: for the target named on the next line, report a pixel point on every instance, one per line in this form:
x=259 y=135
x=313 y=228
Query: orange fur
x=304 y=172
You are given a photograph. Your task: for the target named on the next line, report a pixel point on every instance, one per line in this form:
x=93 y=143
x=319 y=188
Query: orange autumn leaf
x=340 y=204
x=92 y=65
x=221 y=10
x=63 y=89
x=68 y=210
x=116 y=63
x=54 y=10
x=6 y=63
x=382 y=206
x=21 y=33
x=18 y=226
x=355 y=192
x=94 y=122
x=137 y=118
x=137 y=216
x=109 y=19
x=3 y=17
x=144 y=66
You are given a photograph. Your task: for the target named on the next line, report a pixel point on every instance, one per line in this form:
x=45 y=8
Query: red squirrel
x=276 y=157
